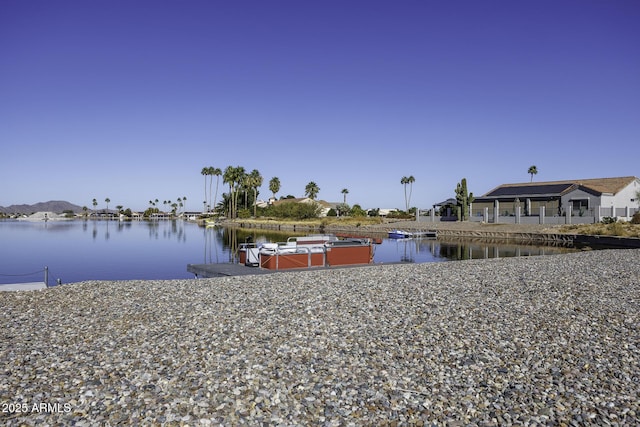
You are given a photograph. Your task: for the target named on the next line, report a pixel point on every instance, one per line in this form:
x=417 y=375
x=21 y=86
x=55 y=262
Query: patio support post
x=542 y=214
x=496 y=212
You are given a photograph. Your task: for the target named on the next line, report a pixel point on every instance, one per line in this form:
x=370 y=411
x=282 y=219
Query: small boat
x=319 y=250
x=401 y=234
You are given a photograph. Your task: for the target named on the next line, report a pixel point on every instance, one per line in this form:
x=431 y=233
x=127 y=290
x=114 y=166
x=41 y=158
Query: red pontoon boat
x=320 y=250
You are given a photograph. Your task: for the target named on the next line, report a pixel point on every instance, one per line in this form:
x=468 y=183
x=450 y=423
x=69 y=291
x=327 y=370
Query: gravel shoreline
x=517 y=341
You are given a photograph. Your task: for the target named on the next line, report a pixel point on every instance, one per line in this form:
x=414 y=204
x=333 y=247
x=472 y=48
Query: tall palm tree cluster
x=243 y=189
x=407 y=181
x=244 y=186
x=210 y=172
x=240 y=183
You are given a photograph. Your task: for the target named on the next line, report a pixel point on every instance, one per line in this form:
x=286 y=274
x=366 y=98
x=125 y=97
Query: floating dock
x=224 y=269
x=402 y=234
x=231 y=269
x=33 y=286
x=425 y=234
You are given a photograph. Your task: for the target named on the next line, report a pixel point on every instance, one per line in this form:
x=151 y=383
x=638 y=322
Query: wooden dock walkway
x=224 y=269
x=32 y=286
x=230 y=269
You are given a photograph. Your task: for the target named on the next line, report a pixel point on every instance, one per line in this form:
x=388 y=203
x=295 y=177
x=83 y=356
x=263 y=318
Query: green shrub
x=244 y=213
x=399 y=215
x=609 y=220
x=635 y=219
x=150 y=211
x=293 y=210
x=357 y=210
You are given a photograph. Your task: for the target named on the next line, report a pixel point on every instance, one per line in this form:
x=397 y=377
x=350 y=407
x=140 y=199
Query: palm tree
x=533 y=170
x=95 y=204
x=274 y=186
x=410 y=180
x=217 y=172
x=228 y=178
x=210 y=171
x=311 y=190
x=240 y=175
x=205 y=173
x=245 y=185
x=404 y=181
x=255 y=180
x=107 y=200
x=344 y=193
x=234 y=177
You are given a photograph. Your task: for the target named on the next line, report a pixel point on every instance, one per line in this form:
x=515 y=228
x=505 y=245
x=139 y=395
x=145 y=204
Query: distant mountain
x=57 y=206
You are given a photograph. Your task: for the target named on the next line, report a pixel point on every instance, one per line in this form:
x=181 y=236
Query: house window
x=579 y=204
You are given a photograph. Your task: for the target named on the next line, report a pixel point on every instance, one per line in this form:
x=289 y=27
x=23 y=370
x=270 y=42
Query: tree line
x=243 y=189
x=243 y=193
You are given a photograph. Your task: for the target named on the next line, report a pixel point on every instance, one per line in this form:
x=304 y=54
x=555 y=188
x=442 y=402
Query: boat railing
x=300 y=250
x=247 y=245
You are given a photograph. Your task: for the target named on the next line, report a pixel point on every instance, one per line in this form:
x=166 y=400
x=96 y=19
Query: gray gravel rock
x=550 y=340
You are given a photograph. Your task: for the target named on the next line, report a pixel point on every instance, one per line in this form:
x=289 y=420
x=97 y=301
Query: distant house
x=384 y=212
x=596 y=198
x=263 y=204
x=446 y=207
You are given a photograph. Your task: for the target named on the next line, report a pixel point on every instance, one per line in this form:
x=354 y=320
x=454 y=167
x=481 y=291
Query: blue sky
x=130 y=99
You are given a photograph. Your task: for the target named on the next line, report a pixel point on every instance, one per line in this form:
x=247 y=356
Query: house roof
x=597 y=185
x=449 y=201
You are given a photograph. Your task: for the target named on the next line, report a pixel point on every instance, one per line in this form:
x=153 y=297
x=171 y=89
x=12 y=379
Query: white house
x=591 y=199
x=613 y=197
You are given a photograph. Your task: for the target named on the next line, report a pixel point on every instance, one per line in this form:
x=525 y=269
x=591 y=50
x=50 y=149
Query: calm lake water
x=79 y=250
